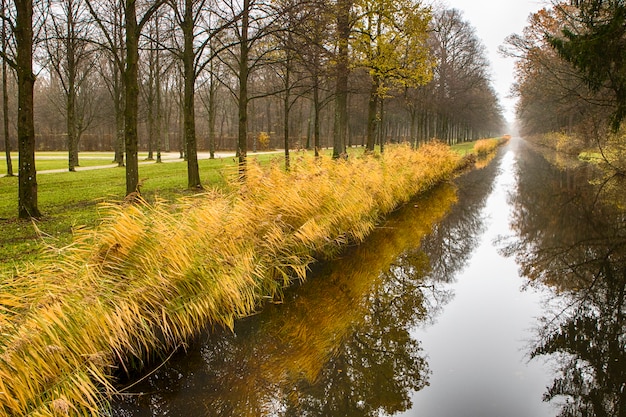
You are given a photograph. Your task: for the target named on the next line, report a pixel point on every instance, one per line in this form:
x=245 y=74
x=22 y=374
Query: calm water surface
x=484 y=298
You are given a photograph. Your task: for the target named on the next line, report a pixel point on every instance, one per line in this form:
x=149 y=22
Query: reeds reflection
x=338 y=345
x=570 y=229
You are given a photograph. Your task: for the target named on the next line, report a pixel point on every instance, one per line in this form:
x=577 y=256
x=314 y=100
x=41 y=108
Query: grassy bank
x=149 y=276
x=69 y=200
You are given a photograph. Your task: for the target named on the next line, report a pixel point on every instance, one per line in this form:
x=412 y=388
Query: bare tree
x=188 y=15
x=71 y=58
x=5 y=92
x=109 y=18
x=252 y=22
x=133 y=26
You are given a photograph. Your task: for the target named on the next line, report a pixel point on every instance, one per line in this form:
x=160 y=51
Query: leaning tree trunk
x=27 y=188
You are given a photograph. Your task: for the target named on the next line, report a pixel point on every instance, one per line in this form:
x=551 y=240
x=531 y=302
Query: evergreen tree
x=595 y=44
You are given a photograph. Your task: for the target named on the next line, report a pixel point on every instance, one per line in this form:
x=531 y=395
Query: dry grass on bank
x=151 y=275
x=484 y=147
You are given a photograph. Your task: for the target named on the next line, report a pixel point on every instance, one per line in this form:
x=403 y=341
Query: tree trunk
x=340 y=126
x=131 y=109
x=212 y=113
x=72 y=142
x=242 y=137
x=27 y=188
x=5 y=98
x=383 y=129
x=70 y=60
x=286 y=112
x=317 y=106
x=372 y=115
x=119 y=130
x=193 y=173
x=159 y=107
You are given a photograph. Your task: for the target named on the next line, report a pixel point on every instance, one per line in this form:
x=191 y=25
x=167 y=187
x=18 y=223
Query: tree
x=133 y=27
x=250 y=23
x=109 y=18
x=292 y=22
x=460 y=82
x=553 y=95
x=594 y=42
x=71 y=58
x=27 y=188
x=391 y=44
x=244 y=70
x=131 y=83
x=191 y=17
x=5 y=92
x=309 y=42
x=342 y=72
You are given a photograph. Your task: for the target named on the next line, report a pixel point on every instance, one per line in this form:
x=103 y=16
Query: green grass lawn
x=45 y=161
x=70 y=199
x=464 y=148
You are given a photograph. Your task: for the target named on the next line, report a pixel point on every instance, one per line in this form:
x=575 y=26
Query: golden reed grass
x=484 y=147
x=153 y=275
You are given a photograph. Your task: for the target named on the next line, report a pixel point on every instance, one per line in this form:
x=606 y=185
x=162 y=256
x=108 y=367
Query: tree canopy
x=594 y=41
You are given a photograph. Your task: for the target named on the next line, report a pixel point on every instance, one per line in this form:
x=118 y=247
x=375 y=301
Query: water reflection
x=570 y=227
x=338 y=345
x=452 y=240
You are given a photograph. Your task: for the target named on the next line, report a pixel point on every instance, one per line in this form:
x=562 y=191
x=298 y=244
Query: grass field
x=45 y=161
x=70 y=199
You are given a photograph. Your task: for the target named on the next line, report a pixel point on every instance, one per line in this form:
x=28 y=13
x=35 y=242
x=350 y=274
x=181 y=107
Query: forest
x=571 y=80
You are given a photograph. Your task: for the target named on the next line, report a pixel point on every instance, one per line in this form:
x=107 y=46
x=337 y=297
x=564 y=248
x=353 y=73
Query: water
x=478 y=300
x=477 y=344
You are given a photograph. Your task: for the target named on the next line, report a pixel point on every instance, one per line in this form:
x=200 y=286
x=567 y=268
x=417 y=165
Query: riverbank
x=152 y=275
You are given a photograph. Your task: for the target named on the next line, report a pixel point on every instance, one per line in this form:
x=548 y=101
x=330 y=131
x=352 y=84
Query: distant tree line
x=571 y=70
x=241 y=75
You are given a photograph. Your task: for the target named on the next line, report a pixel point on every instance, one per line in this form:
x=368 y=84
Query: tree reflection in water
x=571 y=237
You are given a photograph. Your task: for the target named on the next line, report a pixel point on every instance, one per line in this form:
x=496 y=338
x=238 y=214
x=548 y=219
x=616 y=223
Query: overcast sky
x=494 y=20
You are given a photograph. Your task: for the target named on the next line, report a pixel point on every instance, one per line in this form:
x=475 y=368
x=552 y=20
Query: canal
x=499 y=295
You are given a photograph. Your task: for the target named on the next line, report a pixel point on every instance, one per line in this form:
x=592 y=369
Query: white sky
x=494 y=20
